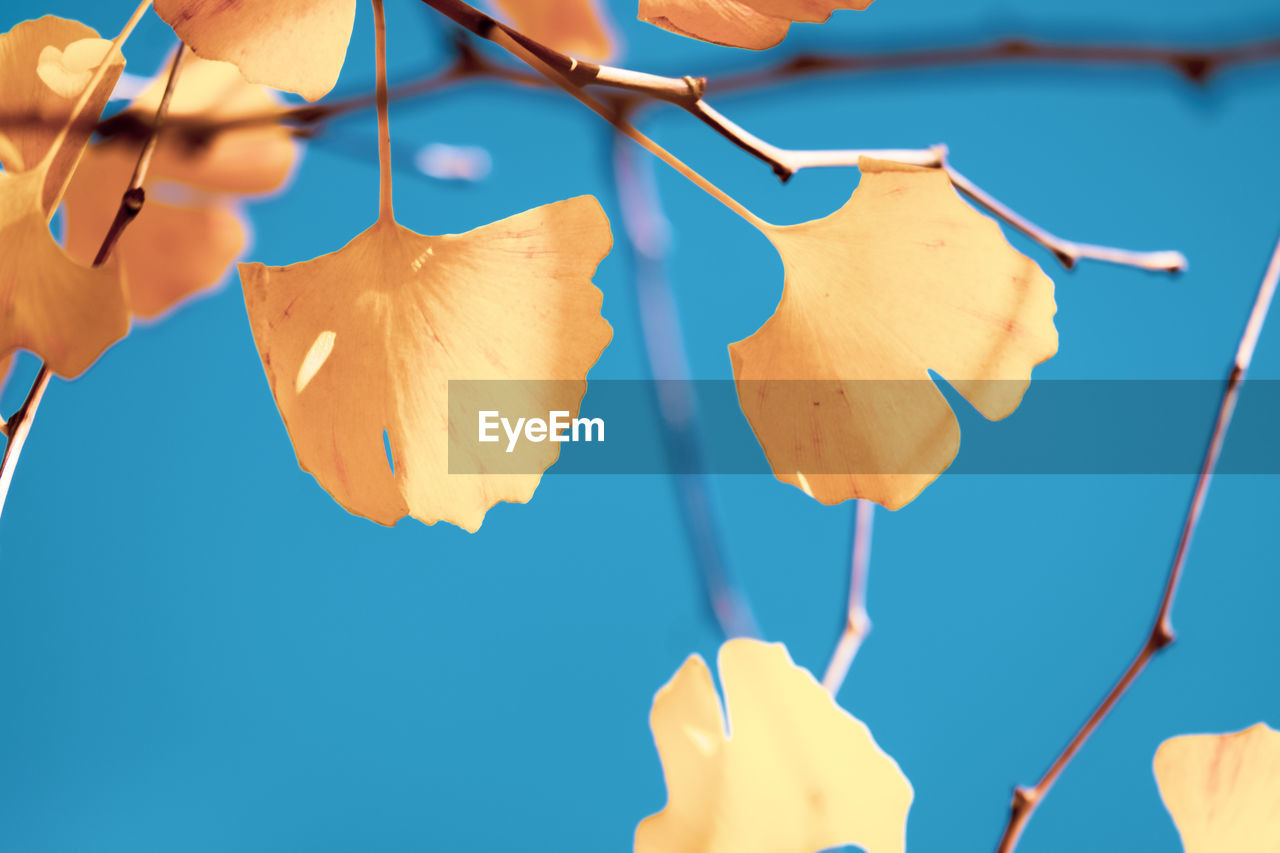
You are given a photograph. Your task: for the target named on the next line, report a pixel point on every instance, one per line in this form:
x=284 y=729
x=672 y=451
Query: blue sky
x=202 y=652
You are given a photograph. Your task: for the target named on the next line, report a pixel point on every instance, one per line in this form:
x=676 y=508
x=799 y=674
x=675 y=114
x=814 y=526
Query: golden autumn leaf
x=577 y=27
x=191 y=227
x=793 y=772
x=903 y=279
x=1223 y=791
x=295 y=45
x=63 y=311
x=363 y=342
x=754 y=24
x=45 y=65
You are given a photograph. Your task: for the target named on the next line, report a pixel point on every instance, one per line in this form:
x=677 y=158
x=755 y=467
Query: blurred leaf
x=191 y=227
x=63 y=312
x=1223 y=791
x=45 y=65
x=295 y=45
x=793 y=773
x=363 y=342
x=577 y=27
x=902 y=279
x=754 y=24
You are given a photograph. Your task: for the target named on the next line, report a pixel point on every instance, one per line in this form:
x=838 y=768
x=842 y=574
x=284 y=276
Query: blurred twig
x=856 y=624
x=1196 y=64
x=1025 y=800
x=647 y=234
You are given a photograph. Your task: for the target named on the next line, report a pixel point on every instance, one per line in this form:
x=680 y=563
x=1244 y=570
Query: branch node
x=1196 y=67
x=1162 y=636
x=133 y=199
x=697 y=86
x=485 y=25
x=1024 y=799
x=1017 y=47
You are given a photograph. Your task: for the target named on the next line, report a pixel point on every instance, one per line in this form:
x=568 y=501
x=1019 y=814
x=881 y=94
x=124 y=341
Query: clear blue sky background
x=200 y=651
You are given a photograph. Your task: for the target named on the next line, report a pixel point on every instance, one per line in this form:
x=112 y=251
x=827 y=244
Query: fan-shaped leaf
x=363 y=342
x=793 y=772
x=903 y=279
x=295 y=45
x=577 y=27
x=754 y=24
x=1223 y=791
x=45 y=65
x=64 y=312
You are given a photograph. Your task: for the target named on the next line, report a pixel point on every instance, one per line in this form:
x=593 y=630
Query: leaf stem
x=1026 y=800
x=385 y=211
x=18 y=426
x=857 y=624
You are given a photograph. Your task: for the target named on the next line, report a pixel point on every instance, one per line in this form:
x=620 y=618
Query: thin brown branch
x=1025 y=800
x=18 y=426
x=135 y=196
x=636 y=88
x=1067 y=252
x=784 y=162
x=1196 y=64
x=856 y=624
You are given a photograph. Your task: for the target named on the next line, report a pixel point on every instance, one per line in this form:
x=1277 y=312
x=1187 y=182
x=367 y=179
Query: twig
x=1066 y=251
x=857 y=624
x=1196 y=64
x=1025 y=800
x=18 y=427
x=784 y=162
x=646 y=231
x=135 y=196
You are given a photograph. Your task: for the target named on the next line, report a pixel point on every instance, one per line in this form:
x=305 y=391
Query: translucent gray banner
x=1061 y=426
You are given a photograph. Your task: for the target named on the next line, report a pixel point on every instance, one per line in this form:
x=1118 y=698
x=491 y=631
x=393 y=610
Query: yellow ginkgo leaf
x=62 y=311
x=577 y=27
x=754 y=24
x=295 y=45
x=903 y=279
x=190 y=229
x=363 y=342
x=45 y=65
x=1223 y=791
x=793 y=773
